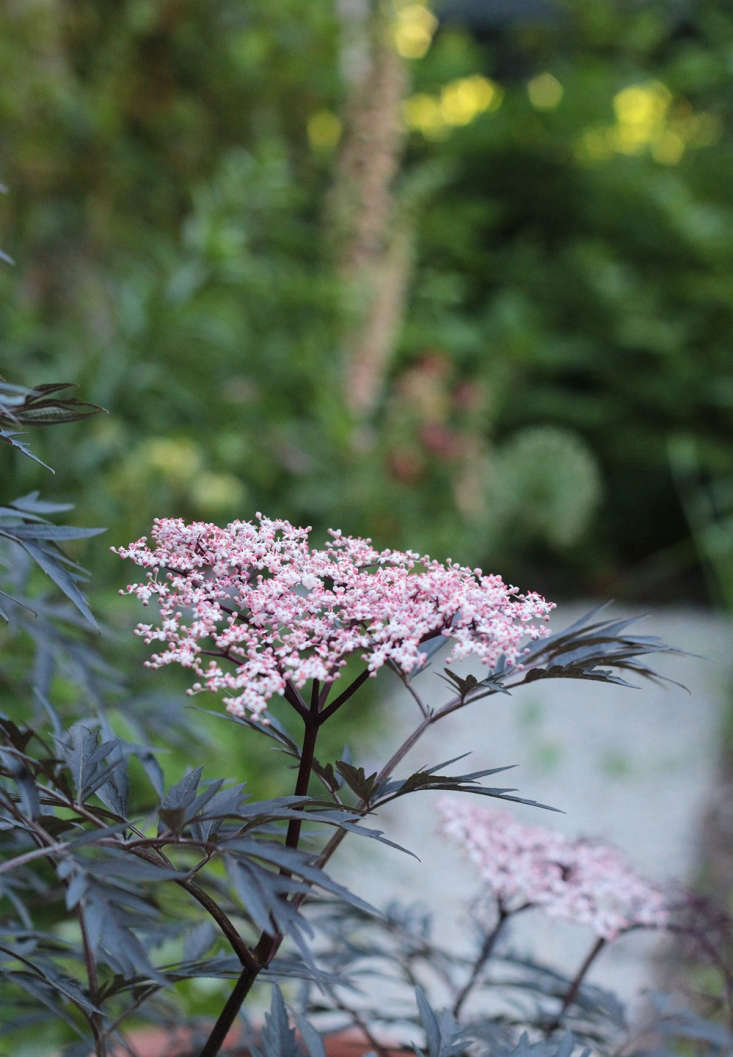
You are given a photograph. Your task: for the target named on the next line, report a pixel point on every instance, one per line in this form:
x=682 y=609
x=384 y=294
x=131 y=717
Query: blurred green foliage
x=560 y=397
x=569 y=303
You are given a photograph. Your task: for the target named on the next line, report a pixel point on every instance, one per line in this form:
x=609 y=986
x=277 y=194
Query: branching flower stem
x=429 y=718
x=342 y=698
x=410 y=689
x=307 y=755
x=269 y=943
x=253 y=961
x=577 y=980
x=484 y=955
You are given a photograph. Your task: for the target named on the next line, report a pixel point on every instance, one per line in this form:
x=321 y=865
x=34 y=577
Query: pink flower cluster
x=584 y=881
x=252 y=606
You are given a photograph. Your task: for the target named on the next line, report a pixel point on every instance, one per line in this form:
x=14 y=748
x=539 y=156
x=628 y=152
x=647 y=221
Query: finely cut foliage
x=112 y=894
x=257 y=595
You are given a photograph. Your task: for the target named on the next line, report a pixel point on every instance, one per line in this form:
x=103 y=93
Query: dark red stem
x=268 y=943
x=484 y=955
x=342 y=698
x=577 y=981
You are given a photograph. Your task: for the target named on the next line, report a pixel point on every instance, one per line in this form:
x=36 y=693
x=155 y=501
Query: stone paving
x=634 y=767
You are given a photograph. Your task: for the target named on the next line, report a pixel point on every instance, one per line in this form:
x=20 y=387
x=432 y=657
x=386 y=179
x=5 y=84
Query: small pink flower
x=584 y=881
x=273 y=610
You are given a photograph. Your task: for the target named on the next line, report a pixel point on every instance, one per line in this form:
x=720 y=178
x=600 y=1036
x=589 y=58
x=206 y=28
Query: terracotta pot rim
x=155 y=1042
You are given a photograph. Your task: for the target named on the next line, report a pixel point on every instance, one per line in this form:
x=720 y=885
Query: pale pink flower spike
x=582 y=880
x=256 y=595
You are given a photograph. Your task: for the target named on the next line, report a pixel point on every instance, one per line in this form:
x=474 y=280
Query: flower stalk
x=487 y=948
x=255 y=612
x=269 y=942
x=575 y=984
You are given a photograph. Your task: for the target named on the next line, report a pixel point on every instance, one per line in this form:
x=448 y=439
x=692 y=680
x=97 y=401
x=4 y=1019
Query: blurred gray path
x=634 y=767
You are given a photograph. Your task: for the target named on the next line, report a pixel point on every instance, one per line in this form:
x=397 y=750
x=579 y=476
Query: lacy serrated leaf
x=278 y=1038
x=111 y=936
x=596 y=651
x=43 y=405
x=30 y=504
x=198 y=940
x=298 y=863
x=312 y=1040
x=83 y=754
x=463 y=685
x=51 y=562
x=427 y=779
x=273 y=729
x=47 y=996
x=356 y=779
x=182 y=795
x=332 y=781
x=42 y=531
x=444 y=1037
x=11 y=437
x=262 y=893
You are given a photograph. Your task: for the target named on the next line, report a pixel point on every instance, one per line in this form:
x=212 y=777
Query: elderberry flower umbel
x=582 y=880
x=252 y=607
